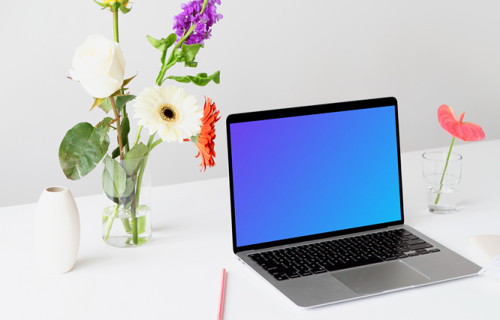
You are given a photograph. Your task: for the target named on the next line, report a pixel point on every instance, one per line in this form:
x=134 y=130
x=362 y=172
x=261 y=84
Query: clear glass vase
x=442 y=173
x=126 y=217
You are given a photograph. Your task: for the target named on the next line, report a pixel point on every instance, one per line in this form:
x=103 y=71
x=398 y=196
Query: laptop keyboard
x=309 y=259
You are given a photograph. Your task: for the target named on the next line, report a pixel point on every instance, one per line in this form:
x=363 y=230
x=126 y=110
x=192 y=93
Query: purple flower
x=191 y=15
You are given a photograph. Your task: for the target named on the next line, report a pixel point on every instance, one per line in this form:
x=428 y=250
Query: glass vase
x=442 y=173
x=126 y=217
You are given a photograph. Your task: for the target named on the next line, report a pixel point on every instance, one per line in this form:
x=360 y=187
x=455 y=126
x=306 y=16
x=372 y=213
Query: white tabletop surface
x=177 y=275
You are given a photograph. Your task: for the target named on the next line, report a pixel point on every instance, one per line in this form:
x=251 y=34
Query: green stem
x=137 y=136
x=203 y=7
x=136 y=198
x=171 y=60
x=133 y=212
x=157 y=142
x=139 y=178
x=444 y=172
x=150 y=141
x=123 y=148
x=109 y=223
x=116 y=35
x=125 y=116
x=115 y=25
x=118 y=126
x=126 y=225
x=143 y=166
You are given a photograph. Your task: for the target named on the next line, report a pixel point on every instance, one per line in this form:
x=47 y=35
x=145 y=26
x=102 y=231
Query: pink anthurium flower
x=466 y=131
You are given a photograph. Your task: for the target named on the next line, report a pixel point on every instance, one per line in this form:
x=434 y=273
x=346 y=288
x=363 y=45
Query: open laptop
x=317 y=204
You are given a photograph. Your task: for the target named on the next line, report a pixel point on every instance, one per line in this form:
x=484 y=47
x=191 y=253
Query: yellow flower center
x=169 y=113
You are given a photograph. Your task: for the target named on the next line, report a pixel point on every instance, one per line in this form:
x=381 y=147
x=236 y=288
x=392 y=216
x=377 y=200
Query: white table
x=162 y=281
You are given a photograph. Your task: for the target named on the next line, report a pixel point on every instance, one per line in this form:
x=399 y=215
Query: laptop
x=317 y=204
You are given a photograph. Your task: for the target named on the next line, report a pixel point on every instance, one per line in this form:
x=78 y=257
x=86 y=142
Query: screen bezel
x=301 y=111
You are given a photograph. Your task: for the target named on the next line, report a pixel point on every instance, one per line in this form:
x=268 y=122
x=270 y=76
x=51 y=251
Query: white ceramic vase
x=56 y=231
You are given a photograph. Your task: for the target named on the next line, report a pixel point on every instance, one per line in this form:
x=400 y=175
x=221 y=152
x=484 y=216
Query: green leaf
x=124 y=9
x=141 y=221
x=105 y=105
x=141 y=224
x=192 y=64
x=164 y=43
x=133 y=159
x=102 y=128
x=114 y=178
x=125 y=130
x=158 y=44
x=104 y=218
x=115 y=183
x=120 y=102
x=187 y=54
x=101 y=4
x=115 y=153
x=97 y=102
x=83 y=147
x=126 y=81
x=200 y=79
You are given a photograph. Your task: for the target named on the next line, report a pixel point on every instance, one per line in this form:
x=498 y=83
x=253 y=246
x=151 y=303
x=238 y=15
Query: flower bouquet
x=168 y=112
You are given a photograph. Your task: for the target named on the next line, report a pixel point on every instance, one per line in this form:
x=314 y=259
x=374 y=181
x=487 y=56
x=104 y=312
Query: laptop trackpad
x=381 y=277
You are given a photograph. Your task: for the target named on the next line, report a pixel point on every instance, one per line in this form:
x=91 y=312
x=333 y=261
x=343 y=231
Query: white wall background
x=271 y=54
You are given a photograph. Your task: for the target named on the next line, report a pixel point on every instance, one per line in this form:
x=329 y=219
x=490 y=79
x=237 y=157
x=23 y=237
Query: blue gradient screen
x=312 y=174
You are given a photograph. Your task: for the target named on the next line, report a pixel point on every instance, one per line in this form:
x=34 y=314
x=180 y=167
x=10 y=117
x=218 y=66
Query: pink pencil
x=222 y=294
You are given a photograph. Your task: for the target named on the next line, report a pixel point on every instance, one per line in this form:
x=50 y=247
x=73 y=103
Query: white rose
x=99 y=66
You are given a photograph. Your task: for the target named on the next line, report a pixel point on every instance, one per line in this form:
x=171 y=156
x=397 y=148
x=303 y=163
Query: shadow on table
x=91 y=261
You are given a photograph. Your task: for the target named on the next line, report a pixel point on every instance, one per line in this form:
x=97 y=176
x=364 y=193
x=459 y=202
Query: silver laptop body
x=281 y=203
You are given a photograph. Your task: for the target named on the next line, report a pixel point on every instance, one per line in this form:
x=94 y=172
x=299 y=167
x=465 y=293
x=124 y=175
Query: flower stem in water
x=109 y=222
x=444 y=172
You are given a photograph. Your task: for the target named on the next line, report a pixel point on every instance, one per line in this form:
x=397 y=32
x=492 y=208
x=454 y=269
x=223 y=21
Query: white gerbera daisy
x=169 y=111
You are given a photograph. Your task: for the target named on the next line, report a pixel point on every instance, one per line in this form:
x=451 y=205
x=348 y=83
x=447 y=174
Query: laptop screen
x=309 y=174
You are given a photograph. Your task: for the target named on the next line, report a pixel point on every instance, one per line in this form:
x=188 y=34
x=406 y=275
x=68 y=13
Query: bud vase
x=56 y=231
x=442 y=172
x=126 y=217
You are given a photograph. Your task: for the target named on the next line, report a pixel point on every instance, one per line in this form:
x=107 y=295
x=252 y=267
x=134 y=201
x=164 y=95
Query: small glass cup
x=441 y=189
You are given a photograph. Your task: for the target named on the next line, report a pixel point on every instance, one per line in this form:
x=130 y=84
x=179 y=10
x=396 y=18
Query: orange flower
x=205 y=140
